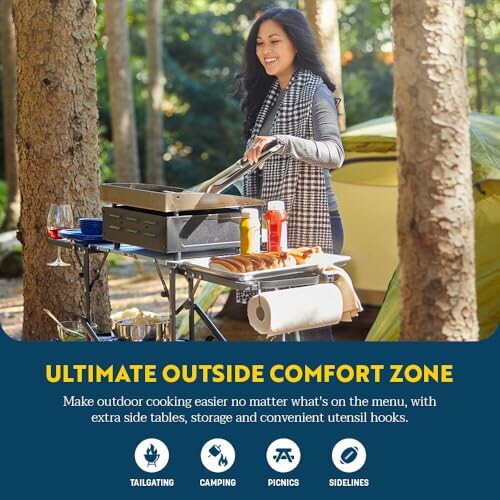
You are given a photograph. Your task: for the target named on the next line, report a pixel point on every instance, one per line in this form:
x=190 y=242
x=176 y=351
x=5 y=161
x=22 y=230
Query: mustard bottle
x=249 y=231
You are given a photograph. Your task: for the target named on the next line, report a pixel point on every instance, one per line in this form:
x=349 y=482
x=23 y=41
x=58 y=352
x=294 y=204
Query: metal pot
x=128 y=330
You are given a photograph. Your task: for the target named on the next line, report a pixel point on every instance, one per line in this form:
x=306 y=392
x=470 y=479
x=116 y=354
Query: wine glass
x=60 y=217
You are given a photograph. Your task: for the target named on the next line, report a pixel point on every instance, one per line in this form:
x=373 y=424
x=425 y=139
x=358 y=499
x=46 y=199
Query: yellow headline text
x=255 y=373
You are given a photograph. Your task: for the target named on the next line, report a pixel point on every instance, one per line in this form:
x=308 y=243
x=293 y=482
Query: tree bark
x=123 y=124
x=9 y=115
x=156 y=80
x=323 y=18
x=58 y=152
x=435 y=209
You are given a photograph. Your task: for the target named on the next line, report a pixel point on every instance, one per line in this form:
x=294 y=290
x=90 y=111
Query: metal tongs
x=89 y=331
x=231 y=174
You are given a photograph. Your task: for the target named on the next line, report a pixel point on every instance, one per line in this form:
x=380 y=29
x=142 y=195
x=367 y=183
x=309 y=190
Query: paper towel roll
x=294 y=309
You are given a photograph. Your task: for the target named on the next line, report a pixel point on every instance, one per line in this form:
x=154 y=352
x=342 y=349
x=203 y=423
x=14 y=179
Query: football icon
x=349 y=454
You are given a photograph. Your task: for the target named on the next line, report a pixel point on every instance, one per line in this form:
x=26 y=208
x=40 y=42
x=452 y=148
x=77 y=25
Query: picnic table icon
x=283 y=454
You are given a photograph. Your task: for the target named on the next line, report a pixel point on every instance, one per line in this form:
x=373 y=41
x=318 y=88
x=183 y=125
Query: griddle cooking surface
x=170 y=199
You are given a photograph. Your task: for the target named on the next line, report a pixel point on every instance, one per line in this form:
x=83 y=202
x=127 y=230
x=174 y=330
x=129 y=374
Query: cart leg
x=191 y=307
x=160 y=275
x=171 y=283
x=86 y=280
x=211 y=326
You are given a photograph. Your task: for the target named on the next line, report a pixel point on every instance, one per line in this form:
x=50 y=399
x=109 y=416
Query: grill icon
x=151 y=455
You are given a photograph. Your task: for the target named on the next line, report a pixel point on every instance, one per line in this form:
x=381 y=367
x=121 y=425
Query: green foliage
x=365 y=30
x=483 y=54
x=105 y=141
x=367 y=83
x=114 y=260
x=203 y=44
x=2 y=168
x=364 y=26
x=106 y=157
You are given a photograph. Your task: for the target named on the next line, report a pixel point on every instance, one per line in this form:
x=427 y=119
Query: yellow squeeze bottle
x=249 y=231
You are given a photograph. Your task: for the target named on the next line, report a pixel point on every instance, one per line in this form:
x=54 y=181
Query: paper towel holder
x=259 y=312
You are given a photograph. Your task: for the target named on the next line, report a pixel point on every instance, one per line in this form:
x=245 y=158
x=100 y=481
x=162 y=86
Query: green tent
x=367 y=191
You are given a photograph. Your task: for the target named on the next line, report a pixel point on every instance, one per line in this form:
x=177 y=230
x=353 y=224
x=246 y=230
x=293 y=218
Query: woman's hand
x=253 y=153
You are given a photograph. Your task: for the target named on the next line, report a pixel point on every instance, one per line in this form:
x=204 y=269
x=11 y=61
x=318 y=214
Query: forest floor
x=136 y=284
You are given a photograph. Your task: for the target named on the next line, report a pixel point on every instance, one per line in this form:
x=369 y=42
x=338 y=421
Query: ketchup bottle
x=276 y=218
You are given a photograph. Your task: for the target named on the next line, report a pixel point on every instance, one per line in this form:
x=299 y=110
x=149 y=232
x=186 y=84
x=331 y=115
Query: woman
x=289 y=99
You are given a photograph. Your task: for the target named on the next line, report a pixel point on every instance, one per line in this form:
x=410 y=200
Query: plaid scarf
x=299 y=185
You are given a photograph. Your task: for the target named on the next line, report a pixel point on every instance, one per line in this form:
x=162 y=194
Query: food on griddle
x=263 y=261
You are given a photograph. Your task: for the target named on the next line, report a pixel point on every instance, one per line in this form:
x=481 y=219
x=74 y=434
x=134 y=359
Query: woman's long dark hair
x=255 y=81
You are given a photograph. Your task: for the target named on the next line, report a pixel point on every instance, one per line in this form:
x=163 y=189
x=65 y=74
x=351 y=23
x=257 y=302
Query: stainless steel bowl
x=128 y=330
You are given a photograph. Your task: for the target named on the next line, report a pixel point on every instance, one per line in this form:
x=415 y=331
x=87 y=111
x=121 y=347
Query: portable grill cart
x=195 y=269
x=180 y=229
x=168 y=220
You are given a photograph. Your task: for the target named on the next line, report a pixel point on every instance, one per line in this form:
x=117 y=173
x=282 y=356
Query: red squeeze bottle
x=275 y=219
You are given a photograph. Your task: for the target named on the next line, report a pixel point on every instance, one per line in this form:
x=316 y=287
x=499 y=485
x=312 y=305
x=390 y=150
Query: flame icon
x=217 y=455
x=151 y=455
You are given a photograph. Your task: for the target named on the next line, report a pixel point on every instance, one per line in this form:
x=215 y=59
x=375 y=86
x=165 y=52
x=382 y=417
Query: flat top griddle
x=170 y=199
x=204 y=197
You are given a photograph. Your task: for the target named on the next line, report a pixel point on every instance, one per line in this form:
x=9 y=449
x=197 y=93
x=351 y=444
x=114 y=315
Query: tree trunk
x=58 y=152
x=435 y=211
x=156 y=80
x=9 y=115
x=477 y=60
x=323 y=18
x=123 y=125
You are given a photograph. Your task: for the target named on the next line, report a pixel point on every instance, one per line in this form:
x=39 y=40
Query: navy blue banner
x=264 y=420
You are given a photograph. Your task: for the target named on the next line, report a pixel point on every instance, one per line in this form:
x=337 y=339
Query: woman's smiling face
x=275 y=51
